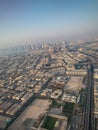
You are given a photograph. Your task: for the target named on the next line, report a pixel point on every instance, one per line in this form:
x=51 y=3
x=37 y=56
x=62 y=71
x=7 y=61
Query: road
x=88 y=117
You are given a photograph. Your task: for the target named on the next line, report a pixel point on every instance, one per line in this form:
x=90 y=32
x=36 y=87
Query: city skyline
x=47 y=21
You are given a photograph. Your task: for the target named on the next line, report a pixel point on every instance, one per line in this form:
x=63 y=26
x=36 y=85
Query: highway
x=88 y=117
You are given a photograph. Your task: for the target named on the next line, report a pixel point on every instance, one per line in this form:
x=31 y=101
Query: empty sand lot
x=34 y=110
x=74 y=83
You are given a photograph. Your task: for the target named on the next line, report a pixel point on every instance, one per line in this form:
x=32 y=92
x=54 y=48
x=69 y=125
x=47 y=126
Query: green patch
x=49 y=123
x=68 y=108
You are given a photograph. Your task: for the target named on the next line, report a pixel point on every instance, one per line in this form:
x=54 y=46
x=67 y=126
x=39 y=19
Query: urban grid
x=49 y=86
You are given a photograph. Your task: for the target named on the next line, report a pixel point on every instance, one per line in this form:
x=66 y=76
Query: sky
x=39 y=21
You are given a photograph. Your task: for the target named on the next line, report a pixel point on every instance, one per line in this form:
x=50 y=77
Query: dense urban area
x=49 y=86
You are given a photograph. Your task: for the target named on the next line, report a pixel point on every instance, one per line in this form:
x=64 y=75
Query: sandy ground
x=38 y=107
x=74 y=83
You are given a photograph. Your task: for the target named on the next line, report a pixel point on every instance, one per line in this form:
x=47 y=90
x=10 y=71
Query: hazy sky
x=27 y=21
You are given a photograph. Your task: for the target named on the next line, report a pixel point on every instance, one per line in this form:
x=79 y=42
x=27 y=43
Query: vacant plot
x=49 y=123
x=32 y=112
x=75 y=83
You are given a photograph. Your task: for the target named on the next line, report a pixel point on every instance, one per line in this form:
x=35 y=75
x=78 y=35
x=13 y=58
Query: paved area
x=75 y=123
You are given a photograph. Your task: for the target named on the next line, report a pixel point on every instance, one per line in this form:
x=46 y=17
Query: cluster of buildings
x=96 y=95
x=46 y=72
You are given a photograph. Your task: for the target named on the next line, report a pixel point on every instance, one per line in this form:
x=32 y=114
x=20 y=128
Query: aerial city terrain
x=49 y=86
x=48 y=64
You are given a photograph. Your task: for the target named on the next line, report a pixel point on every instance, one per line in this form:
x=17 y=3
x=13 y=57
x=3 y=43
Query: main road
x=88 y=110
